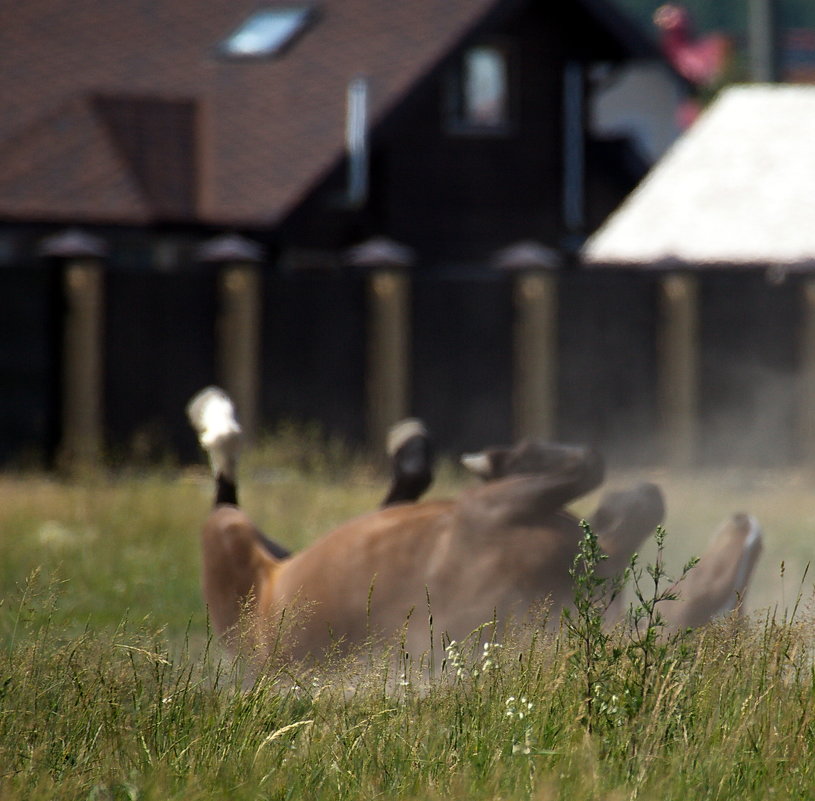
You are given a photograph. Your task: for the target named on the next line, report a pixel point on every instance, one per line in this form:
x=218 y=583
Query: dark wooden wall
x=159 y=346
x=313 y=352
x=750 y=360
x=458 y=196
x=608 y=363
x=30 y=317
x=462 y=363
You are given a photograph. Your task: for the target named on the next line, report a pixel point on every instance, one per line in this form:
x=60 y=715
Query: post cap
x=230 y=247
x=380 y=252
x=527 y=255
x=73 y=243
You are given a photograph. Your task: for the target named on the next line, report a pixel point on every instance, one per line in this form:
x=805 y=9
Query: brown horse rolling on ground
x=494 y=552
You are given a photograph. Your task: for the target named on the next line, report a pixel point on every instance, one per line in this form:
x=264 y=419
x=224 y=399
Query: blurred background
x=506 y=217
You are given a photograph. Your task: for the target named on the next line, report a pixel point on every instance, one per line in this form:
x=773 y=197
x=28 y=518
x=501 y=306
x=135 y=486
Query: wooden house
x=454 y=126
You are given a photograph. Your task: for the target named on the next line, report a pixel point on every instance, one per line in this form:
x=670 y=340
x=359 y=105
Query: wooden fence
x=652 y=369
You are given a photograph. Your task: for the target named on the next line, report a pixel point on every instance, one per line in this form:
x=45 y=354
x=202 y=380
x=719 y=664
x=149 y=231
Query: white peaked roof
x=737 y=188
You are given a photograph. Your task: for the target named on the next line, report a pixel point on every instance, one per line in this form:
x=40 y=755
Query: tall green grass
x=729 y=714
x=111 y=687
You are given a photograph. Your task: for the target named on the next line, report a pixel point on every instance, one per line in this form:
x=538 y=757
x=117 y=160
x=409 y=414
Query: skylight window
x=267 y=32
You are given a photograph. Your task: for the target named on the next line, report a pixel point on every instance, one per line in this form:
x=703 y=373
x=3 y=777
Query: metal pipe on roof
x=356 y=140
x=762 y=29
x=574 y=167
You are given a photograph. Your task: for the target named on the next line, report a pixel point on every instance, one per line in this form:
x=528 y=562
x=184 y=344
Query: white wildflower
x=518 y=709
x=455 y=659
x=487 y=661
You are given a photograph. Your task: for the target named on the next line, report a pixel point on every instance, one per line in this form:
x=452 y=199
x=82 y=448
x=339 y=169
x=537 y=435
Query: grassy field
x=111 y=688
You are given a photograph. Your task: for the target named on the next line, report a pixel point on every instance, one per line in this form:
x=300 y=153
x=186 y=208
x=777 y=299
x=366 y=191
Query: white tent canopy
x=737 y=189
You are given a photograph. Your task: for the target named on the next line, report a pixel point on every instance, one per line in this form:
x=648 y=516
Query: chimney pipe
x=762 y=27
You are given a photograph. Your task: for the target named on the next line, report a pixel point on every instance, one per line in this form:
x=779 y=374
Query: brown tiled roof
x=267 y=129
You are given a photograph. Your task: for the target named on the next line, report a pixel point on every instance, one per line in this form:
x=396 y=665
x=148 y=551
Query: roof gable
x=157 y=141
x=97 y=189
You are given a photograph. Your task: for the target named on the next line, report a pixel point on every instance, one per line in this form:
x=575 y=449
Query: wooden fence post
x=678 y=367
x=535 y=338
x=82 y=378
x=238 y=360
x=388 y=351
